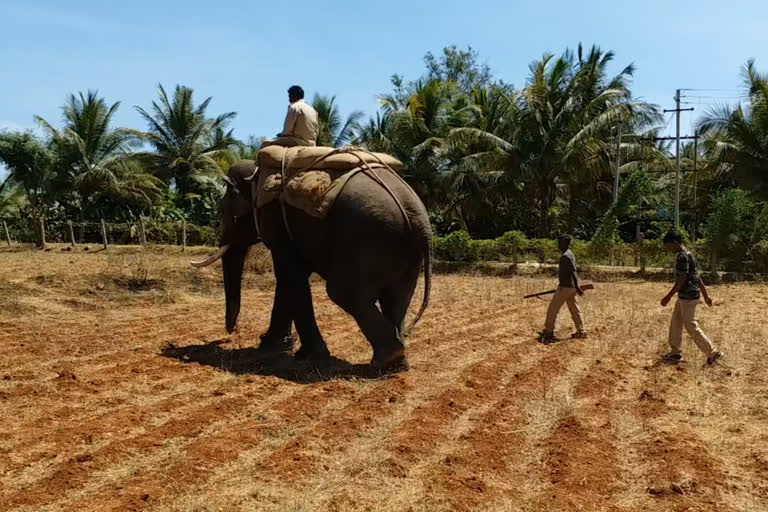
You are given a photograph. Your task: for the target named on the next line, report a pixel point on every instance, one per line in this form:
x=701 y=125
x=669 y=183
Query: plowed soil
x=119 y=390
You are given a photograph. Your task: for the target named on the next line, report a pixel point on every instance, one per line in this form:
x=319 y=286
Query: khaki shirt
x=301 y=122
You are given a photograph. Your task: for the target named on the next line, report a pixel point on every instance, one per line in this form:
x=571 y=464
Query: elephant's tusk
x=212 y=258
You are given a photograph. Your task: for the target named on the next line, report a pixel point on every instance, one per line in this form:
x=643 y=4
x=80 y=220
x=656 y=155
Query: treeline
x=487 y=157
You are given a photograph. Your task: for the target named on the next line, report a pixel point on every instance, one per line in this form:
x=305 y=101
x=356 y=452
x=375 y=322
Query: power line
x=711 y=90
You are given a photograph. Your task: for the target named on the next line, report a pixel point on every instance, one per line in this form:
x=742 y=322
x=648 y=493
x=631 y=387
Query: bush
x=580 y=249
x=511 y=244
x=606 y=238
x=485 y=250
x=545 y=249
x=760 y=257
x=457 y=246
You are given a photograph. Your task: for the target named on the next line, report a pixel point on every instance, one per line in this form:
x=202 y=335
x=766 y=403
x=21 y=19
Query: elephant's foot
x=275 y=343
x=391 y=362
x=315 y=351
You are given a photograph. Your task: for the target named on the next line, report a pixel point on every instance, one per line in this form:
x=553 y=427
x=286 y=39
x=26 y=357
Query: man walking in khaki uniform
x=567 y=293
x=689 y=289
x=300 y=127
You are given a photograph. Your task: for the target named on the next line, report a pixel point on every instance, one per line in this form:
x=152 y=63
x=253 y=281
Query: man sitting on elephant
x=300 y=127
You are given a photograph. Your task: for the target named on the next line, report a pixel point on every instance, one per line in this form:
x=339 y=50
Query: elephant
x=369 y=254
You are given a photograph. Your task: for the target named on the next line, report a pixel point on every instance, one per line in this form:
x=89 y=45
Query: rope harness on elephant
x=369 y=171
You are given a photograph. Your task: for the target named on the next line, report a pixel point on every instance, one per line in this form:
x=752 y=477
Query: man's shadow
x=252 y=361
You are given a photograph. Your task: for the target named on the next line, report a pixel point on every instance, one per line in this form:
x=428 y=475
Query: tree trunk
x=41 y=233
x=544 y=216
x=571 y=209
x=71 y=233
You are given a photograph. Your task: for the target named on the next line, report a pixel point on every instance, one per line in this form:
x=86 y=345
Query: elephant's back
x=368 y=224
x=365 y=199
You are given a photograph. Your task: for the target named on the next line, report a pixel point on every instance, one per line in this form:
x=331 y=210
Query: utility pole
x=677 y=111
x=618 y=164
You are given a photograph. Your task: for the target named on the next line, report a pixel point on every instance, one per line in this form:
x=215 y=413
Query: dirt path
x=116 y=400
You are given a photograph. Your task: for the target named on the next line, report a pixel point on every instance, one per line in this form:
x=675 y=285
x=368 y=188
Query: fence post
x=183 y=235
x=104 y=234
x=71 y=233
x=142 y=231
x=42 y=233
x=7 y=234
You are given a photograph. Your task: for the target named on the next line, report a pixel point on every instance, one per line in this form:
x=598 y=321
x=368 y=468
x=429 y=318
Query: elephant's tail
x=426 y=249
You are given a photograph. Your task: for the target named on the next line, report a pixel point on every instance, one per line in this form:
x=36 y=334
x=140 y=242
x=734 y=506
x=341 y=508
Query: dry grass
x=119 y=391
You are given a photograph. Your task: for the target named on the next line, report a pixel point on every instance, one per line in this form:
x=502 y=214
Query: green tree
x=187 y=144
x=332 y=131
x=12 y=199
x=30 y=162
x=463 y=67
x=559 y=131
x=736 y=138
x=92 y=158
x=735 y=225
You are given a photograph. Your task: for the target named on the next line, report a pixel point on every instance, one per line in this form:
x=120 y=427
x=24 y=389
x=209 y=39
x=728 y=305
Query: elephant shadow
x=252 y=361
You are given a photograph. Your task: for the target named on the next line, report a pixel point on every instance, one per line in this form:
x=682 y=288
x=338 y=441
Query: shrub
x=485 y=250
x=760 y=257
x=511 y=244
x=457 y=246
x=546 y=250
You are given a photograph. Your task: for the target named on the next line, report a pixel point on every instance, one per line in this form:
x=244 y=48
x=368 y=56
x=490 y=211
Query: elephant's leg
x=292 y=276
x=278 y=337
x=396 y=299
x=312 y=344
x=388 y=349
x=382 y=334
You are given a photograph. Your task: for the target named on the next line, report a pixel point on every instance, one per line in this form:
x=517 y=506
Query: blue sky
x=245 y=54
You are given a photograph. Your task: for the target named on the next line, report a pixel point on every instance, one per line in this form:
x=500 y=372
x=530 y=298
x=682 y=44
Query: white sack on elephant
x=314 y=175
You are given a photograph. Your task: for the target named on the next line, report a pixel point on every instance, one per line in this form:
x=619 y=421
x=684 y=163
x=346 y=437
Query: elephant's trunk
x=232 y=266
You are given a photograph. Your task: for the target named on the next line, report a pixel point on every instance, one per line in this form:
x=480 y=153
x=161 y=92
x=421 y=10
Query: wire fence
x=141 y=232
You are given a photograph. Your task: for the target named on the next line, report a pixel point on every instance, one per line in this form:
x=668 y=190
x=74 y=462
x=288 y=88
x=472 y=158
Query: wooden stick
x=549 y=292
x=71 y=233
x=42 y=233
x=104 y=234
x=7 y=234
x=183 y=235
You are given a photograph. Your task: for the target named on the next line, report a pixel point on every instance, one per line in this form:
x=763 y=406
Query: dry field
x=119 y=391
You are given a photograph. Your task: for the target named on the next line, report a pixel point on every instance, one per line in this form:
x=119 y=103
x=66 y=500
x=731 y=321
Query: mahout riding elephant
x=368 y=252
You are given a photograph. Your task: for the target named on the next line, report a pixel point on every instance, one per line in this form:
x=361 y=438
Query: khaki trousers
x=685 y=316
x=564 y=296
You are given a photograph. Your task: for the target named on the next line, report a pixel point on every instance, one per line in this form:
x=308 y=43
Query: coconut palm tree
x=736 y=137
x=94 y=158
x=374 y=135
x=186 y=141
x=332 y=131
x=11 y=199
x=559 y=131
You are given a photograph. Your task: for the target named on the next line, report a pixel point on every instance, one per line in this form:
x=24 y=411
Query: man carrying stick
x=567 y=293
x=689 y=289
